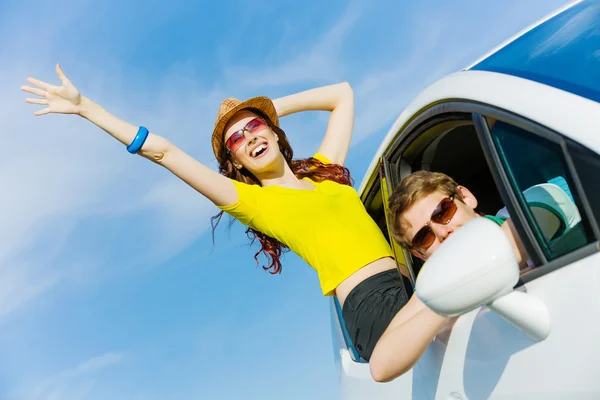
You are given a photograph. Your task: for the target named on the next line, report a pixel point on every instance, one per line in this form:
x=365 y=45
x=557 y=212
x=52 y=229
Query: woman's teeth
x=258 y=150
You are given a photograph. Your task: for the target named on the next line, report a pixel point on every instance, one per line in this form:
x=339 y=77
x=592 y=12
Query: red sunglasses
x=442 y=214
x=238 y=138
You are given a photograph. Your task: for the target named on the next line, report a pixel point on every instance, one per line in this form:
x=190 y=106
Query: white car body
x=483 y=355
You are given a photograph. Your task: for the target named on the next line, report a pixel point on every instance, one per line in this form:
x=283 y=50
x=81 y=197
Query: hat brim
x=261 y=103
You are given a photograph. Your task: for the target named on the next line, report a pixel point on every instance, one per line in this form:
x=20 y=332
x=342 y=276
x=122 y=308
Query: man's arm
x=405 y=340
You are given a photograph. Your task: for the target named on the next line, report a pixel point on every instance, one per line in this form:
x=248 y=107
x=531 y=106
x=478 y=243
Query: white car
x=525 y=115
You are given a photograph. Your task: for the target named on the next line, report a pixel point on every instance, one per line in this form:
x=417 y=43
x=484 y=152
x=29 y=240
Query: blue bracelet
x=138 y=141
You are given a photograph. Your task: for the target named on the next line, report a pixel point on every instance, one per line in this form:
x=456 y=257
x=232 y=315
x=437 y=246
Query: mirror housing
x=474 y=267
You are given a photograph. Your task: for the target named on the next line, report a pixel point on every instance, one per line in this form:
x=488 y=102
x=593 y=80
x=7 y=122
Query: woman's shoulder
x=322 y=158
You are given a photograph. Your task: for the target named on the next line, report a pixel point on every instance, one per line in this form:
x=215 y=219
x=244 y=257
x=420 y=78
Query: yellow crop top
x=328 y=226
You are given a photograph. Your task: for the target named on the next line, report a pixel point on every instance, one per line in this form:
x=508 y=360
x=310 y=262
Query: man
x=426 y=208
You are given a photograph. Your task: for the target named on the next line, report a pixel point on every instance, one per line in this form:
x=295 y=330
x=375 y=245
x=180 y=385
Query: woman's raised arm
x=66 y=99
x=339 y=99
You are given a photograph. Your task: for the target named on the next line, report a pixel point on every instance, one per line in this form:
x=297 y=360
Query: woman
x=307 y=205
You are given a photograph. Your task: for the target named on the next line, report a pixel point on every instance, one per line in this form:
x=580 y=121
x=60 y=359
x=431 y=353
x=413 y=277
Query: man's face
x=422 y=215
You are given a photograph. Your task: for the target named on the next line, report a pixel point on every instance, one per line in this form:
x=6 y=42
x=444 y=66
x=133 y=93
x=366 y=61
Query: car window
x=537 y=170
x=587 y=164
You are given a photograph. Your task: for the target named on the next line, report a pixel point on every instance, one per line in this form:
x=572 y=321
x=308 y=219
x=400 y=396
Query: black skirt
x=371 y=306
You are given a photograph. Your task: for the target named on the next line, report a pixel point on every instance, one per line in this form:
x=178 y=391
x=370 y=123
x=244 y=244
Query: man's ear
x=468 y=198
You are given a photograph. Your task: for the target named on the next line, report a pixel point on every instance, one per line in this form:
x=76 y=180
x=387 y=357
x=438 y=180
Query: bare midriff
x=377 y=266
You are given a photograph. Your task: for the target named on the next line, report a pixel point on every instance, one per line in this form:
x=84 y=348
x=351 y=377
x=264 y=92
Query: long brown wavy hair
x=310 y=167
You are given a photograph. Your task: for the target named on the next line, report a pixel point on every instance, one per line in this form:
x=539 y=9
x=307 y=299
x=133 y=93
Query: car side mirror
x=476 y=267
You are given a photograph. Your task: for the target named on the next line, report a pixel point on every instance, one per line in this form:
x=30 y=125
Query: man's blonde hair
x=413 y=188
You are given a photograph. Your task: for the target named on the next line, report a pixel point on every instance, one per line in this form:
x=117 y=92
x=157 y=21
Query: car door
x=484 y=356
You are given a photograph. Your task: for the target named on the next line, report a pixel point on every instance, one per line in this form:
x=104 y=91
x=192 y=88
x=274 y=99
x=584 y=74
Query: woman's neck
x=282 y=176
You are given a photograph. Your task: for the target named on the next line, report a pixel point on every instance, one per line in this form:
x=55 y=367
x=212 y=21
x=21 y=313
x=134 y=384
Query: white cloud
x=92 y=365
x=76 y=383
x=322 y=62
x=184 y=213
x=384 y=92
x=19 y=284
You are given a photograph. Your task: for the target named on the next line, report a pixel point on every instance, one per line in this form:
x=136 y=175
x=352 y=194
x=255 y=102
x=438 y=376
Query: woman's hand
x=64 y=99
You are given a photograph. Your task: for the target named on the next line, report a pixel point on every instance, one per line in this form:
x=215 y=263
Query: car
x=524 y=115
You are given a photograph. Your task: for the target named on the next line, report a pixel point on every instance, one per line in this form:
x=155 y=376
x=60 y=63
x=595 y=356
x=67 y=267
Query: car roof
x=508 y=41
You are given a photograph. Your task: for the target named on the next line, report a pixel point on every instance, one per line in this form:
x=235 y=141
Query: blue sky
x=110 y=286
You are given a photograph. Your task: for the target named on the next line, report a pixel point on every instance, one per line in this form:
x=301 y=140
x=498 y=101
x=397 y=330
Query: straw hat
x=231 y=106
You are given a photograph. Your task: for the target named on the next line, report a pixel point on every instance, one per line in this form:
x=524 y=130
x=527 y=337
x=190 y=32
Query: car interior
x=451 y=147
x=449 y=144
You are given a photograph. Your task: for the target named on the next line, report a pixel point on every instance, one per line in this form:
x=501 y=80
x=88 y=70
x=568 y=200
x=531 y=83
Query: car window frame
x=387 y=185
x=426 y=118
